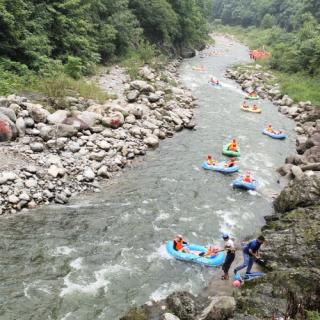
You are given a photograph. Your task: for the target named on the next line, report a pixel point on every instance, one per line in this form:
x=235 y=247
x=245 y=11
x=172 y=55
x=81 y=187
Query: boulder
x=76 y=123
x=114 y=120
x=97 y=156
x=183 y=305
x=88 y=174
x=133 y=95
x=29 y=122
x=89 y=118
x=297 y=172
x=147 y=73
x=55 y=171
x=301 y=192
x=37 y=147
x=220 y=308
x=57 y=117
x=154 y=97
x=312 y=155
x=37 y=112
x=9 y=113
x=57 y=131
x=103 y=172
x=301 y=143
x=187 y=53
x=21 y=127
x=151 y=141
x=169 y=316
x=286 y=101
x=13 y=199
x=141 y=86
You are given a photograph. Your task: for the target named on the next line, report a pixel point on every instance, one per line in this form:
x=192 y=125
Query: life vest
x=233 y=146
x=270 y=129
x=211 y=162
x=178 y=245
x=247 y=179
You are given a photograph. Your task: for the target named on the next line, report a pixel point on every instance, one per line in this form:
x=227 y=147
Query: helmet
x=209 y=156
x=225 y=236
x=236 y=283
x=179 y=236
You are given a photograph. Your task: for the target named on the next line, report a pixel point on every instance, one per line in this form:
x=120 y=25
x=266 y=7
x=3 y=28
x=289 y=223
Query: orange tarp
x=258 y=54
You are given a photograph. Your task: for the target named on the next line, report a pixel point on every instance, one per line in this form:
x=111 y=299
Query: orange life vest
x=179 y=245
x=247 y=179
x=233 y=146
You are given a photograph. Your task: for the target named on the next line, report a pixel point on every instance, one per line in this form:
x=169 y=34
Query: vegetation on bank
x=289 y=29
x=71 y=37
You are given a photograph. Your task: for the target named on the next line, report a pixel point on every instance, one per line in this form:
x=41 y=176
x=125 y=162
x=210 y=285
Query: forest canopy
x=293 y=29
x=81 y=33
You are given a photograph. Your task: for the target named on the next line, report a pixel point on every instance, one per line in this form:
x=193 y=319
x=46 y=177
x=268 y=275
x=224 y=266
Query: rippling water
x=102 y=253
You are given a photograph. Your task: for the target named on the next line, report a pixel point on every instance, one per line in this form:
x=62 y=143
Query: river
x=105 y=252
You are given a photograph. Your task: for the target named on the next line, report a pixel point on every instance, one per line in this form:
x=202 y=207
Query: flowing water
x=105 y=252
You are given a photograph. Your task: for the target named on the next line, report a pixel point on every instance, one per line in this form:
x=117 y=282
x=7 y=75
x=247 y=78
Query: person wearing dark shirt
x=250 y=254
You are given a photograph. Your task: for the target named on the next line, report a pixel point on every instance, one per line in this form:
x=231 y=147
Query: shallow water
x=105 y=252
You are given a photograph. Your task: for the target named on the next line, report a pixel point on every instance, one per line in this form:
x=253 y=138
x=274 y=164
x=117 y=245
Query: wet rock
x=37 y=147
x=183 y=305
x=222 y=307
x=61 y=198
x=299 y=193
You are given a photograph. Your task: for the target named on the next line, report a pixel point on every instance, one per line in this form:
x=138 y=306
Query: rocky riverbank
x=52 y=156
x=291 y=288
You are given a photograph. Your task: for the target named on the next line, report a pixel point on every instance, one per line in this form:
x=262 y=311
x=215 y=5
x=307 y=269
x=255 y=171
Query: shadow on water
x=104 y=252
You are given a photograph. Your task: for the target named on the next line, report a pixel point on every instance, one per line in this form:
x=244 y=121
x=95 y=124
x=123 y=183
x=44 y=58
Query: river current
x=102 y=253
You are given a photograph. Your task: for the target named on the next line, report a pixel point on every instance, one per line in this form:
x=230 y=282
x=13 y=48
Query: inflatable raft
x=230 y=153
x=215 y=85
x=250 y=109
x=252 y=97
x=220 y=167
x=197 y=68
x=194 y=257
x=240 y=184
x=274 y=135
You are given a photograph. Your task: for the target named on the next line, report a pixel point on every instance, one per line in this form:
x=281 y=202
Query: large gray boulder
x=9 y=113
x=182 y=304
x=187 y=53
x=301 y=192
x=37 y=112
x=57 y=117
x=141 y=86
x=220 y=308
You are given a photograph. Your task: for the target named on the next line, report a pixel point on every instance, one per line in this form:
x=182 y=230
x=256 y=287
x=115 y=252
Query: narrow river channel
x=105 y=252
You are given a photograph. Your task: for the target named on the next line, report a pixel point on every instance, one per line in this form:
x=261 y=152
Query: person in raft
x=231 y=163
x=179 y=244
x=250 y=254
x=254 y=107
x=247 y=178
x=210 y=160
x=253 y=94
x=245 y=105
x=233 y=146
x=231 y=253
x=211 y=252
x=270 y=129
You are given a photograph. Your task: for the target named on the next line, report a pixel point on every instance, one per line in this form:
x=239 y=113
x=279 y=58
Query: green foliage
x=313 y=315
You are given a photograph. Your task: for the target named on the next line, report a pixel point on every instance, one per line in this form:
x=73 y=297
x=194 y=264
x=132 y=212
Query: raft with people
x=220 y=167
x=231 y=149
x=247 y=108
x=192 y=255
x=198 y=68
x=252 y=96
x=275 y=134
x=246 y=182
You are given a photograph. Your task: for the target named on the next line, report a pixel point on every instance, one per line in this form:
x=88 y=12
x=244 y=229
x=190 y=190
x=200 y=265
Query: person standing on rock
x=250 y=254
x=231 y=253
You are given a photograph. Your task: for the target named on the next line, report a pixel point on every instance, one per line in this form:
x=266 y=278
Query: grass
x=61 y=85
x=299 y=86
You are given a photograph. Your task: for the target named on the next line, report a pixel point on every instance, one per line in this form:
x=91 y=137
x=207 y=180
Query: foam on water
x=66 y=316
x=163 y=216
x=77 y=263
x=160 y=253
x=63 y=250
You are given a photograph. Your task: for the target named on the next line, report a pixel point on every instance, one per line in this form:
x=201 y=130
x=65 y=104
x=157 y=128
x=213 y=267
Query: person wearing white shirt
x=231 y=253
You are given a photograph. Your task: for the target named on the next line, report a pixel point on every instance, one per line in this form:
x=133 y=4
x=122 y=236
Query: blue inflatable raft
x=248 y=277
x=220 y=167
x=239 y=183
x=274 y=135
x=192 y=257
